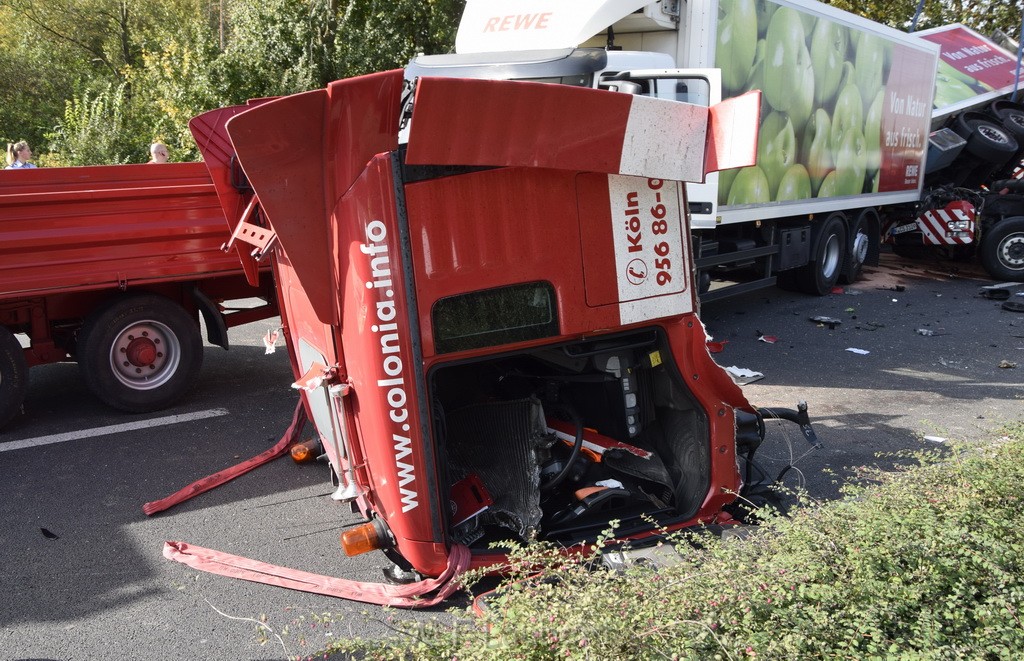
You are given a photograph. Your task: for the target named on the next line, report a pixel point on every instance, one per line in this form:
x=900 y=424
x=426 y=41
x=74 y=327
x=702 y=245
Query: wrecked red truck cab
x=493 y=321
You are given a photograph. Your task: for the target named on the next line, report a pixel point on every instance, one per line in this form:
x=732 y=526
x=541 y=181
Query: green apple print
x=786 y=61
x=849 y=113
x=737 y=40
x=725 y=179
x=828 y=53
x=828 y=185
x=868 y=66
x=851 y=163
x=776 y=148
x=950 y=86
x=873 y=133
x=765 y=11
x=803 y=104
x=749 y=187
x=795 y=184
x=756 y=79
x=816 y=152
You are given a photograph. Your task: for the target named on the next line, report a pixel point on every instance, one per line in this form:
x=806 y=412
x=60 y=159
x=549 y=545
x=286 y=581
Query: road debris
x=741 y=376
x=831 y=322
x=935 y=439
x=862 y=352
x=770 y=339
x=1007 y=364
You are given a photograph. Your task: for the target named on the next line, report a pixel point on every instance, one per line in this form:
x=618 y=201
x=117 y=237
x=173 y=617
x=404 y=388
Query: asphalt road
x=83 y=575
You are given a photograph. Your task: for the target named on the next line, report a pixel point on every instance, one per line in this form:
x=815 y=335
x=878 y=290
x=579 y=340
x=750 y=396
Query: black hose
x=799 y=416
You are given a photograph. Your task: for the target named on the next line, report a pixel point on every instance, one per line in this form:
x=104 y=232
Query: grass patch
x=924 y=562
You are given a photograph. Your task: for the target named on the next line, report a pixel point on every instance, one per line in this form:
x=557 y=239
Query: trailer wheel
x=858 y=248
x=13 y=376
x=991 y=142
x=140 y=353
x=1011 y=115
x=827 y=251
x=1002 y=250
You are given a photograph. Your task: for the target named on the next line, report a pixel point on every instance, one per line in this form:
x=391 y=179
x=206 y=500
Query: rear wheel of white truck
x=13 y=376
x=828 y=248
x=140 y=353
x=858 y=246
x=1002 y=250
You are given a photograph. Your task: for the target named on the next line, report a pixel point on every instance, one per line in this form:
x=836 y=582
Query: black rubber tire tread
x=100 y=331
x=852 y=265
x=13 y=376
x=984 y=144
x=827 y=237
x=965 y=123
x=989 y=251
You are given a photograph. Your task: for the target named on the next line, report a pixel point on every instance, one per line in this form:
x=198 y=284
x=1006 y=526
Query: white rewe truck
x=845 y=120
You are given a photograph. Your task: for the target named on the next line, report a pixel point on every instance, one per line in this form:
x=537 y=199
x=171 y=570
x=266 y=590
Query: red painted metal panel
x=280 y=147
x=381 y=363
x=212 y=139
x=485 y=245
x=486 y=122
x=732 y=133
x=302 y=152
x=70 y=229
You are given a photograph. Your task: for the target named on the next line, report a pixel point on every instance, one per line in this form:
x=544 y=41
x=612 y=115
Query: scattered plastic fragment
x=831 y=322
x=862 y=352
x=742 y=376
x=1007 y=364
x=717 y=347
x=935 y=439
x=770 y=339
x=838 y=290
x=270 y=340
x=926 y=332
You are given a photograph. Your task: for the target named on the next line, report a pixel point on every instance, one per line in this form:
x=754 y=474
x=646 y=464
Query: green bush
x=926 y=562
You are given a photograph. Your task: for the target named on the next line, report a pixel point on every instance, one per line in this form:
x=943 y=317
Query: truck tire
x=13 y=376
x=1011 y=115
x=828 y=247
x=991 y=142
x=858 y=246
x=140 y=353
x=1002 y=250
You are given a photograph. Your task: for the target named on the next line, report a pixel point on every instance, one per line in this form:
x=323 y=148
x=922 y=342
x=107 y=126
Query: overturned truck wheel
x=1002 y=250
x=140 y=353
x=13 y=376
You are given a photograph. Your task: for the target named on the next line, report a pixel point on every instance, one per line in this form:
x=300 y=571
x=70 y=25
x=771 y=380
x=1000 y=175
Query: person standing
x=19 y=156
x=158 y=153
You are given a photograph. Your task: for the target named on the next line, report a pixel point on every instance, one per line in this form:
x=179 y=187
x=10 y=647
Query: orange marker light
x=365 y=538
x=305 y=451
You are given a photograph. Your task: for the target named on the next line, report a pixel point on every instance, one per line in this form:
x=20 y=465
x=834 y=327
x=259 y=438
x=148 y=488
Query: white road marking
x=111 y=429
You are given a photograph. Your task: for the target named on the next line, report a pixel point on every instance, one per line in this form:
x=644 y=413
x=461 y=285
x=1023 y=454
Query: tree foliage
x=984 y=16
x=94 y=81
